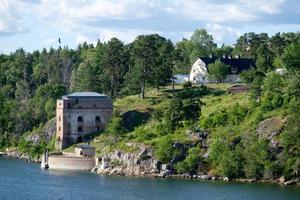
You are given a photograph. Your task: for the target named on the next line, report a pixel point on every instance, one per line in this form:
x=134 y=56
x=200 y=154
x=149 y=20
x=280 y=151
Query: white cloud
x=11 y=16
x=83 y=38
x=49 y=41
x=69 y=13
x=265 y=6
x=210 y=12
x=126 y=36
x=221 y=33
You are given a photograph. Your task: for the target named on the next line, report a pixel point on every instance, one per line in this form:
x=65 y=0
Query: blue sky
x=35 y=24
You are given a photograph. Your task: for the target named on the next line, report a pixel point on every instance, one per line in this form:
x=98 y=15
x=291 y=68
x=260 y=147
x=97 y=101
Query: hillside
x=245 y=143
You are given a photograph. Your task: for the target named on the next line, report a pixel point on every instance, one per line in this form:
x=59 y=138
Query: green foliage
x=290 y=140
x=231 y=116
x=291 y=58
x=115 y=128
x=218 y=71
x=165 y=150
x=31 y=149
x=191 y=162
x=255 y=154
x=225 y=159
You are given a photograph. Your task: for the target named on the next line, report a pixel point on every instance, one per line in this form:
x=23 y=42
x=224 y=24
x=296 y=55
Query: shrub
x=164 y=150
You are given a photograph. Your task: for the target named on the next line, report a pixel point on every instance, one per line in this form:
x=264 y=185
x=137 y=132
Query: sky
x=37 y=24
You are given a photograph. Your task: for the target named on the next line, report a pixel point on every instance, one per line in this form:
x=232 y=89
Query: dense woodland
x=31 y=83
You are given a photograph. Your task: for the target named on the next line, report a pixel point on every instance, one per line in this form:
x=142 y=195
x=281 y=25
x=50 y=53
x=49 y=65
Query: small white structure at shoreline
x=82 y=159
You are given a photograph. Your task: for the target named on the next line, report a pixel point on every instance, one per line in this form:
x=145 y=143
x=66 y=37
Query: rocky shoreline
x=17 y=155
x=143 y=163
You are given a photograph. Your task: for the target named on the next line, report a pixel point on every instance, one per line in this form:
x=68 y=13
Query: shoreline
x=203 y=177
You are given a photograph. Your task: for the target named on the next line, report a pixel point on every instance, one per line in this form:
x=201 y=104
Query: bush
x=115 y=128
x=236 y=114
x=165 y=150
x=255 y=156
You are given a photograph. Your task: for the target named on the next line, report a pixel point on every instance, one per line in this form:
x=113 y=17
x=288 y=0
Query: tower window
x=80 y=119
x=59 y=128
x=59 y=118
x=97 y=119
x=79 y=129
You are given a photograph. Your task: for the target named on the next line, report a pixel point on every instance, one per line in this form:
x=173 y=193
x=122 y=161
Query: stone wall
x=71 y=163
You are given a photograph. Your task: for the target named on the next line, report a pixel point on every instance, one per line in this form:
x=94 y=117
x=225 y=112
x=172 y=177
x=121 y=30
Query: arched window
x=97 y=119
x=79 y=139
x=80 y=119
x=79 y=129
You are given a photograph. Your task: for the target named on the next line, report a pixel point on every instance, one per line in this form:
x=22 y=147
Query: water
x=22 y=180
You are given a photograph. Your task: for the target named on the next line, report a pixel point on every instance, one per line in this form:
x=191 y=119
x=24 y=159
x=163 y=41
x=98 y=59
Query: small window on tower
x=80 y=119
x=97 y=119
x=59 y=118
x=59 y=128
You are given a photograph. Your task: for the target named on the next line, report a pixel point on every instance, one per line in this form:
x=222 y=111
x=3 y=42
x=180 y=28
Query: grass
x=145 y=130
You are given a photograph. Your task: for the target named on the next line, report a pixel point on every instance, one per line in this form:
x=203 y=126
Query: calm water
x=22 y=180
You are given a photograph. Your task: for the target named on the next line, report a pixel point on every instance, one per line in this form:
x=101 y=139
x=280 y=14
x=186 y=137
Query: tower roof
x=84 y=95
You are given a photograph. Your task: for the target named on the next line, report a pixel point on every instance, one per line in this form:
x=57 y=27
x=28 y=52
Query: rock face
x=47 y=132
x=141 y=162
x=270 y=127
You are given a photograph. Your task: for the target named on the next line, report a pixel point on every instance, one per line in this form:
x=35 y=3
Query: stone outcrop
x=46 y=133
x=141 y=162
x=271 y=127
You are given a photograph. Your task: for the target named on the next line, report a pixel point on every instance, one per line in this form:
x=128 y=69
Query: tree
x=151 y=60
x=113 y=61
x=218 y=70
x=85 y=78
x=202 y=44
x=291 y=58
x=290 y=138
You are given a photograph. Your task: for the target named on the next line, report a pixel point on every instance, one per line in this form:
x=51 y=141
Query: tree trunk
x=173 y=86
x=112 y=86
x=143 y=89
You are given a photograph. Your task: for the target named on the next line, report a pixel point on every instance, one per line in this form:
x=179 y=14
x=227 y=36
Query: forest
x=31 y=82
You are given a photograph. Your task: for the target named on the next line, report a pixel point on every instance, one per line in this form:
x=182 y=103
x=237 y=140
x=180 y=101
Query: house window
x=79 y=119
x=76 y=101
x=79 y=129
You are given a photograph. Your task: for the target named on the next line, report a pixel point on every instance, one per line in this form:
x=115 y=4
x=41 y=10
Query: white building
x=199 y=73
